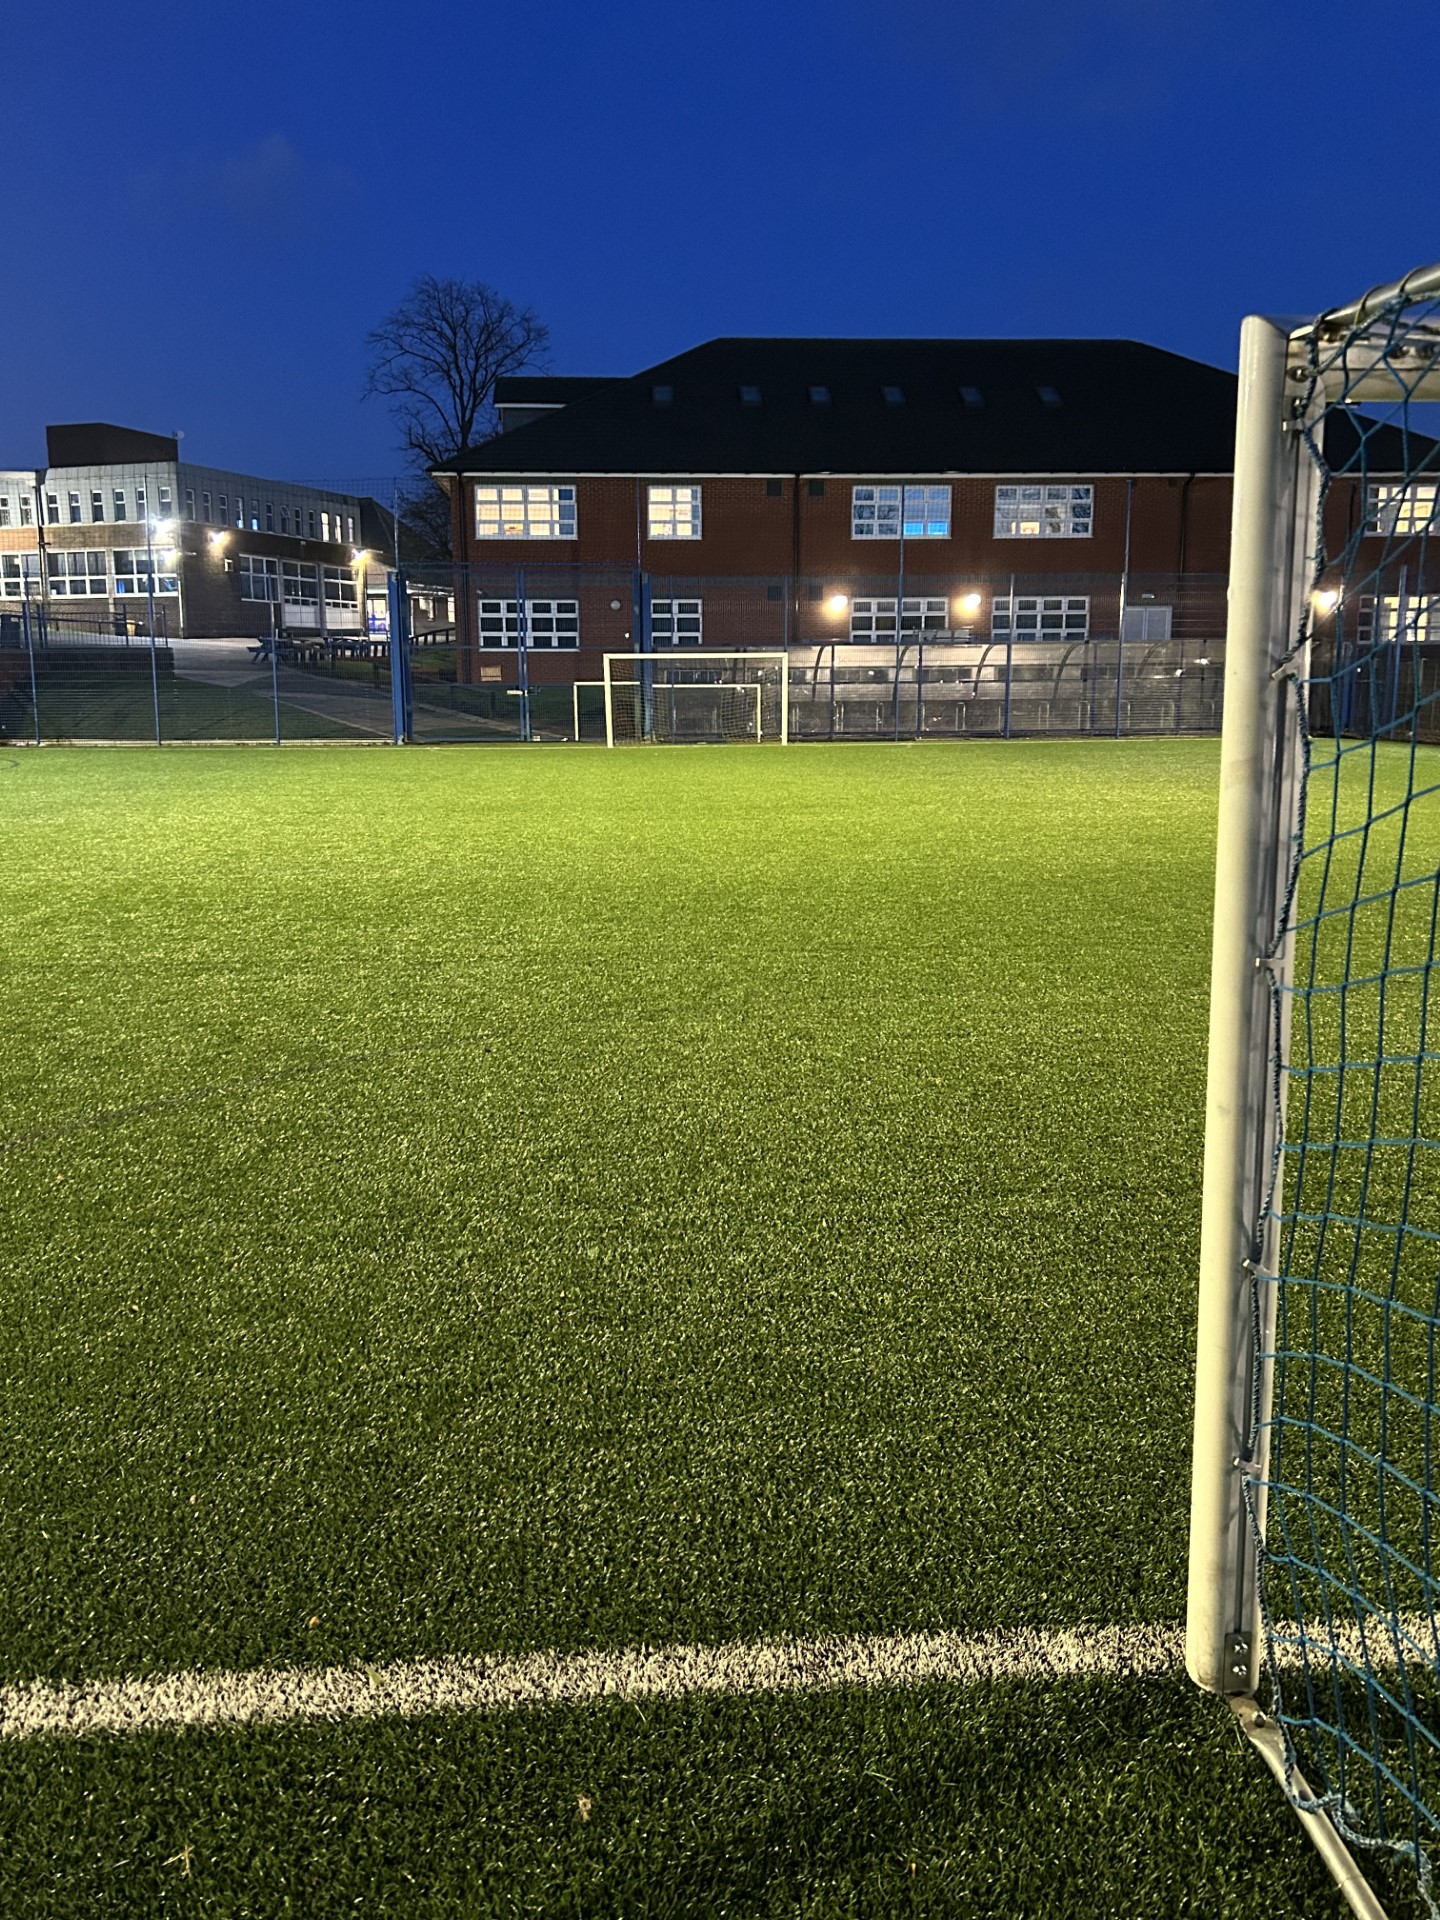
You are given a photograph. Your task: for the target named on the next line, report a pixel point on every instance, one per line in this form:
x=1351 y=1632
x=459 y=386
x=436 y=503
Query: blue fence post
x=401 y=715
x=30 y=650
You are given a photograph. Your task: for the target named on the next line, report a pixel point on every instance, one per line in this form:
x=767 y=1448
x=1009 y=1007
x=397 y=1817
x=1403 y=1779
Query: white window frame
x=525 y=513
x=673 y=513
x=262 y=571
x=1044 y=510
x=4 y=510
x=1402 y=621
x=77 y=574
x=1040 y=616
x=97 y=506
x=132 y=565
x=677 y=620
x=549 y=624
x=915 y=511
x=339 y=587
x=120 y=508
x=19 y=575
x=1409 y=507
x=300 y=583
x=872 y=618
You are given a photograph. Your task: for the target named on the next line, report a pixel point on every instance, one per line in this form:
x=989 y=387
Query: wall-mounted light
x=1326 y=600
x=968 y=603
x=217 y=540
x=837 y=603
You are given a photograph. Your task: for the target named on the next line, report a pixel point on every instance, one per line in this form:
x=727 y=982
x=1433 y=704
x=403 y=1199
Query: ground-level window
x=675 y=623
x=340 y=588
x=300 y=580
x=19 y=575
x=1049 y=616
x=259 y=577
x=1413 y=508
x=1408 y=620
x=79 y=575
x=548 y=623
x=132 y=571
x=873 y=620
x=1044 y=512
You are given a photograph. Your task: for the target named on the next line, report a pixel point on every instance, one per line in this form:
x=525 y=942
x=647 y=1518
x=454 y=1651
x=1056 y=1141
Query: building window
x=259 y=577
x=525 y=513
x=75 y=514
x=1402 y=509
x=139 y=503
x=189 y=503
x=548 y=623
x=120 y=503
x=27 y=503
x=675 y=623
x=880 y=513
x=132 y=572
x=340 y=588
x=1415 y=620
x=97 y=505
x=1050 y=616
x=4 y=510
x=269 y=516
x=52 y=509
x=224 y=510
x=19 y=575
x=81 y=576
x=674 y=513
x=873 y=621
x=1044 y=513
x=324 y=524
x=166 y=508
x=205 y=508
x=350 y=527
x=301 y=582
x=240 y=510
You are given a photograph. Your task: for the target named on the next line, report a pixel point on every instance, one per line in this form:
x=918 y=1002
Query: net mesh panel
x=1351 y=1516
x=734 y=697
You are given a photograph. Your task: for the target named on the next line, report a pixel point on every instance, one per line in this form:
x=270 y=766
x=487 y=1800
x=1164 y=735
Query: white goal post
x=692 y=694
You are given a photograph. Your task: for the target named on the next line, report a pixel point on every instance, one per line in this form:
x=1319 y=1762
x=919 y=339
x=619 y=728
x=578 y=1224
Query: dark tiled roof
x=543 y=389
x=894 y=406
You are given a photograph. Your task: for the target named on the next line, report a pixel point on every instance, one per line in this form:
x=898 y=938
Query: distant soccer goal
x=1315 y=1507
x=696 y=694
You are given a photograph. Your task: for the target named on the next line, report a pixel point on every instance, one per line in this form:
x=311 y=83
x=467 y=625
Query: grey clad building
x=116 y=521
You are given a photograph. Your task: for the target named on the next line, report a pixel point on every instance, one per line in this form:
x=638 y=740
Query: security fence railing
x=517 y=654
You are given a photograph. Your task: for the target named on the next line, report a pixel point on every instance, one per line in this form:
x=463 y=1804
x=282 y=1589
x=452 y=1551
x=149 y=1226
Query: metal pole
x=1124 y=601
x=1257 y=799
x=150 y=604
x=30 y=650
x=274 y=657
x=522 y=642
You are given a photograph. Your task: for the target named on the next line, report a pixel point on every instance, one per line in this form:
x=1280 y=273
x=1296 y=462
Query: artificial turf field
x=465 y=1203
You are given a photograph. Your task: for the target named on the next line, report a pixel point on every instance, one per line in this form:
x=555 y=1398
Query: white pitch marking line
x=457 y=1684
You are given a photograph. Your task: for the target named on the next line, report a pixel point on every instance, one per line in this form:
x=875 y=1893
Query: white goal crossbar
x=680 y=673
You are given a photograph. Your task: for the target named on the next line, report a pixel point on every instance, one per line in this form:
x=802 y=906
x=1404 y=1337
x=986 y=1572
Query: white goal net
x=696 y=694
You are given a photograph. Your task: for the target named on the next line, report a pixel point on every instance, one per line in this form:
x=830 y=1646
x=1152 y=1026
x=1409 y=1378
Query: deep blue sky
x=209 y=206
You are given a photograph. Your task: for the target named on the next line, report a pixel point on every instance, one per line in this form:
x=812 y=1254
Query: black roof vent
x=662 y=396
x=1048 y=396
x=973 y=397
x=819 y=396
x=893 y=396
x=749 y=396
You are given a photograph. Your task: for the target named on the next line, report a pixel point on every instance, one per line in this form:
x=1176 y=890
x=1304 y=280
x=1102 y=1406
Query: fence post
x=30 y=650
x=155 y=681
x=1009 y=669
x=401 y=717
x=522 y=644
x=274 y=661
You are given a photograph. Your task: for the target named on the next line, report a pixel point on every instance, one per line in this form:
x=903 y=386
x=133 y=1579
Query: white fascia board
x=521 y=477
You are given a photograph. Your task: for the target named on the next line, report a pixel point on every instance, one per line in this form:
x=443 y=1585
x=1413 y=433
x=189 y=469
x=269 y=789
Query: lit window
x=674 y=513
x=525 y=513
x=1040 y=617
x=132 y=567
x=240 y=510
x=324 y=524
x=872 y=621
x=548 y=623
x=675 y=623
x=350 y=527
x=887 y=513
x=81 y=576
x=1406 y=509
x=1044 y=512
x=1408 y=621
x=259 y=577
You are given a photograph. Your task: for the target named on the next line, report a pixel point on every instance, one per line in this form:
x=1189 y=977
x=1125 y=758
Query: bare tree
x=438 y=356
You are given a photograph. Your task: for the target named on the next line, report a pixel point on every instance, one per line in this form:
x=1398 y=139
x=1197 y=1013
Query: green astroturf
x=466 y=1201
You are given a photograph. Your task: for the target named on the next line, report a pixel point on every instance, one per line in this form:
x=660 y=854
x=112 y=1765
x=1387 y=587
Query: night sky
x=209 y=206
